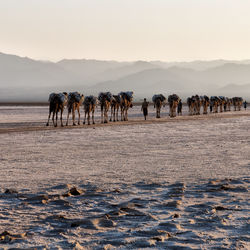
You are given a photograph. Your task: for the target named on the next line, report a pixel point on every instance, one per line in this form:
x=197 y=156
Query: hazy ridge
x=25 y=79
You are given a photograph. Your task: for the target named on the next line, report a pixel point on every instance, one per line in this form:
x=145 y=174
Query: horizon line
x=124 y=61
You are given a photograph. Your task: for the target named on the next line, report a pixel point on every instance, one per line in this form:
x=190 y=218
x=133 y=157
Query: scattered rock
x=73 y=191
x=10 y=191
x=78 y=246
x=176 y=215
x=6 y=237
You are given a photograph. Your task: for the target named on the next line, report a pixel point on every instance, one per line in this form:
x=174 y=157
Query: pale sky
x=126 y=30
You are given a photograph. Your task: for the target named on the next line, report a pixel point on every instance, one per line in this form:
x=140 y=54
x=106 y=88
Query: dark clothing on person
x=179 y=108
x=245 y=105
x=211 y=108
x=145 y=111
x=144 y=108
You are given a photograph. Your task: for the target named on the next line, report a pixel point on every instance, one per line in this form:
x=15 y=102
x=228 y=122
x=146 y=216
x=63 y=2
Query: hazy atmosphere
x=128 y=30
x=87 y=162
x=147 y=46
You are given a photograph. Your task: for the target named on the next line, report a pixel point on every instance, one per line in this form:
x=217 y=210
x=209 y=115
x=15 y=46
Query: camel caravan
x=123 y=101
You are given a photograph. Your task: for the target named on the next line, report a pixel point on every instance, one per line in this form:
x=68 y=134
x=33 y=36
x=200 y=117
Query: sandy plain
x=179 y=183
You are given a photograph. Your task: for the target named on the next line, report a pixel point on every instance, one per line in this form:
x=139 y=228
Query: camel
x=126 y=103
x=190 y=103
x=197 y=106
x=205 y=103
x=222 y=101
x=75 y=100
x=214 y=102
x=89 y=105
x=194 y=105
x=115 y=104
x=237 y=102
x=57 y=102
x=158 y=101
x=105 y=100
x=173 y=101
x=228 y=104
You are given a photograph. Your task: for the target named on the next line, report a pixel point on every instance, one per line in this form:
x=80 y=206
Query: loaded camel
x=194 y=105
x=105 y=100
x=57 y=102
x=222 y=101
x=89 y=105
x=214 y=102
x=173 y=101
x=228 y=103
x=126 y=103
x=197 y=106
x=237 y=102
x=75 y=100
x=159 y=101
x=205 y=103
x=115 y=104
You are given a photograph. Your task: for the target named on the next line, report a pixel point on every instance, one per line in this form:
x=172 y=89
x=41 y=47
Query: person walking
x=245 y=104
x=144 y=108
x=179 y=108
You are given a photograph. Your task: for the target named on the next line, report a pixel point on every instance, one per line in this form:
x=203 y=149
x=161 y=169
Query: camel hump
x=173 y=97
x=116 y=98
x=51 y=97
x=90 y=100
x=75 y=96
x=128 y=95
x=104 y=96
x=160 y=97
x=61 y=97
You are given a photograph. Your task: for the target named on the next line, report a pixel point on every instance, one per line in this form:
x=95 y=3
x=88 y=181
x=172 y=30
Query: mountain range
x=27 y=80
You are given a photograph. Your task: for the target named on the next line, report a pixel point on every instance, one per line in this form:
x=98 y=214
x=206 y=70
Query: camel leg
x=117 y=110
x=61 y=117
x=93 y=118
x=85 y=113
x=121 y=114
x=105 y=116
x=111 y=114
x=79 y=116
x=73 y=115
x=48 y=119
x=56 y=118
x=88 y=117
x=53 y=118
x=67 y=122
x=101 y=114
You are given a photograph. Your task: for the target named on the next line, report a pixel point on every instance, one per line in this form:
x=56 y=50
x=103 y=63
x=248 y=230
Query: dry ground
x=163 y=183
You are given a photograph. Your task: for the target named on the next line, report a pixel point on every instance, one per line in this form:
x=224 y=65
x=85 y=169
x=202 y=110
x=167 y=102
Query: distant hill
x=25 y=79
